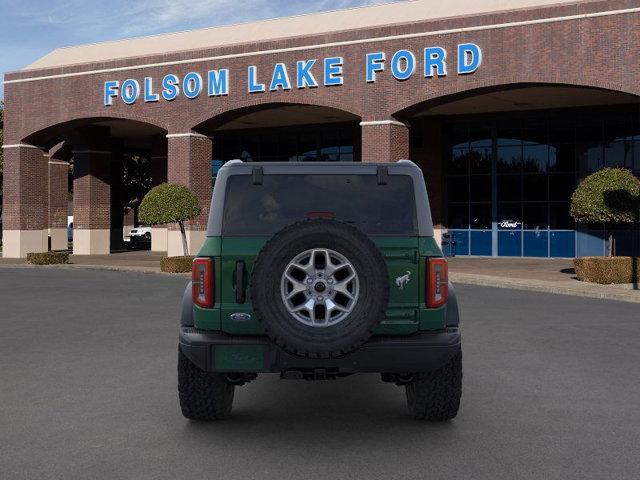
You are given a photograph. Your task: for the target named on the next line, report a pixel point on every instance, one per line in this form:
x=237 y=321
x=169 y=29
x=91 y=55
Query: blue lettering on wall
x=434 y=59
x=403 y=64
x=254 y=86
x=192 y=85
x=280 y=78
x=333 y=71
x=130 y=91
x=149 y=96
x=110 y=92
x=375 y=64
x=170 y=87
x=216 y=83
x=304 y=75
x=469 y=58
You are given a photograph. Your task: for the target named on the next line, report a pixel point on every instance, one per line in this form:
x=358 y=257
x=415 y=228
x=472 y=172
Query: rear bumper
x=421 y=352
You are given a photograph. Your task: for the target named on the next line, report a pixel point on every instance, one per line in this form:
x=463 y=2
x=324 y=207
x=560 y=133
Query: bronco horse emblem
x=403 y=280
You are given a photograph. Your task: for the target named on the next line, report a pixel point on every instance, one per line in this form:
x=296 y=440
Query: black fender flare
x=453 y=314
x=186 y=316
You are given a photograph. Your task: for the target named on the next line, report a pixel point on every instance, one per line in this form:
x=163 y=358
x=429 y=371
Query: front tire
x=435 y=396
x=203 y=395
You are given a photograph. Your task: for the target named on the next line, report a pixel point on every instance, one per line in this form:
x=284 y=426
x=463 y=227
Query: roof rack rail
x=407 y=161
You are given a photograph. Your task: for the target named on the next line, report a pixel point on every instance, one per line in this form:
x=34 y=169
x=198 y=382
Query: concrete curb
x=622 y=293
x=113 y=268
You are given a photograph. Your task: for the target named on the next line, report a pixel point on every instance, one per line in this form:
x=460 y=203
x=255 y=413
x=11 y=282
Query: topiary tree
x=611 y=195
x=170 y=203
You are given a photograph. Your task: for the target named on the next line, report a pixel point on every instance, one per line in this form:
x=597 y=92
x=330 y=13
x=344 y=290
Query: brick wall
x=58 y=192
x=600 y=51
x=25 y=189
x=189 y=164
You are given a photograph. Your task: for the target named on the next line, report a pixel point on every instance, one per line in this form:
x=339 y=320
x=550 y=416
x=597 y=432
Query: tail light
x=437 y=282
x=202 y=282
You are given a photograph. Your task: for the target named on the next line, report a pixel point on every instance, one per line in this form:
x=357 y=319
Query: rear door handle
x=240 y=290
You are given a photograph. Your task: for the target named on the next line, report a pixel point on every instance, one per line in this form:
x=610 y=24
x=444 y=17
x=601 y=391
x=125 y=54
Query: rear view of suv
x=317 y=271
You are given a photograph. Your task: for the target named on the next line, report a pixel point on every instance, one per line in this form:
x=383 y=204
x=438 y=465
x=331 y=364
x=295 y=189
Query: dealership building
x=504 y=104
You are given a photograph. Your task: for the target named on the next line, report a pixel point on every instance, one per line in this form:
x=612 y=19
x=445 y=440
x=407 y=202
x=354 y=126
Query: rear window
x=284 y=199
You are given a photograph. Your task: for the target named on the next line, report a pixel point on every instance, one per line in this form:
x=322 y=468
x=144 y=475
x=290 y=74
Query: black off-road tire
x=436 y=395
x=203 y=395
x=304 y=340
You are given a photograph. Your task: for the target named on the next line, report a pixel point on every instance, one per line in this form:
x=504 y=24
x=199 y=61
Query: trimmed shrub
x=611 y=195
x=170 y=203
x=48 y=258
x=176 y=264
x=607 y=270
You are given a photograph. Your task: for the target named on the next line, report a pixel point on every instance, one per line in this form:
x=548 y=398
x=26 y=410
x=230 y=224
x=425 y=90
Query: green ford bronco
x=318 y=271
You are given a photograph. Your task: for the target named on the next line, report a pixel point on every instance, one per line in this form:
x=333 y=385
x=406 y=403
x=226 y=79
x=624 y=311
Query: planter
x=176 y=264
x=608 y=270
x=48 y=258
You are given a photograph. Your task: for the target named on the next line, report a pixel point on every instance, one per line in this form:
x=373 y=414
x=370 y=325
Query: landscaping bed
x=608 y=270
x=176 y=264
x=48 y=258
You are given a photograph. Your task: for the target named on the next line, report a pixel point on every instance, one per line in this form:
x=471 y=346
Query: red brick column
x=159 y=175
x=189 y=164
x=92 y=192
x=25 y=210
x=58 y=192
x=384 y=141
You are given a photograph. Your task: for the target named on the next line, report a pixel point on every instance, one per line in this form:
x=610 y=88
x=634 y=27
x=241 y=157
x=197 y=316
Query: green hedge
x=176 y=264
x=48 y=258
x=607 y=270
x=611 y=195
x=168 y=203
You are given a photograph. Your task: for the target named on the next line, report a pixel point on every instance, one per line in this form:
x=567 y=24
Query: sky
x=29 y=29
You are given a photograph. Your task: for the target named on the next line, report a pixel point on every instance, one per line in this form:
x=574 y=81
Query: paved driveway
x=87 y=390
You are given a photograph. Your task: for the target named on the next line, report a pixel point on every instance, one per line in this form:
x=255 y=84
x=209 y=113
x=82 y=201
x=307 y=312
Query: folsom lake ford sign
x=309 y=73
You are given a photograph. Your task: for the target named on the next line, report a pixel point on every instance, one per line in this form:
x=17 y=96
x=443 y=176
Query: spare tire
x=319 y=288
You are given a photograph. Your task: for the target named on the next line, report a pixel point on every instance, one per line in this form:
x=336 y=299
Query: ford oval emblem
x=240 y=317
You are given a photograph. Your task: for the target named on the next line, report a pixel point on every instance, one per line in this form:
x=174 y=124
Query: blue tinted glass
x=509 y=188
x=458 y=189
x=480 y=216
x=535 y=244
x=458 y=215
x=535 y=158
x=461 y=238
x=510 y=243
x=480 y=243
x=591 y=243
x=481 y=188
x=534 y=188
x=562 y=244
x=459 y=163
x=618 y=154
x=510 y=159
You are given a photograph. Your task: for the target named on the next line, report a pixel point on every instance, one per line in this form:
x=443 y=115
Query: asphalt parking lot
x=88 y=390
